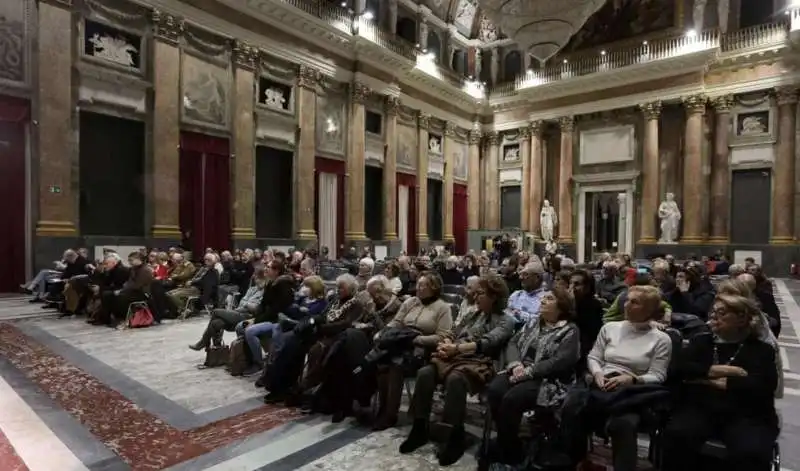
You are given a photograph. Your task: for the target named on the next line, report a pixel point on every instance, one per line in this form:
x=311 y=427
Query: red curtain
x=460 y=217
x=411 y=182
x=13 y=114
x=337 y=167
x=204 y=194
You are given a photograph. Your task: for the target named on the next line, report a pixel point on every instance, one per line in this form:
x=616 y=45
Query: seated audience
x=113 y=278
x=464 y=364
x=589 y=312
x=627 y=354
x=365 y=267
x=509 y=269
x=384 y=306
x=224 y=319
x=469 y=303
x=136 y=289
x=610 y=284
x=74 y=285
x=392 y=273
x=695 y=293
x=160 y=266
x=180 y=273
x=540 y=366
x=616 y=313
x=766 y=298
x=310 y=301
x=728 y=392
x=451 y=275
x=202 y=285
x=524 y=304
x=429 y=316
x=38 y=285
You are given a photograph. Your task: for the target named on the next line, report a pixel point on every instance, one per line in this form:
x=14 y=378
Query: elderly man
x=524 y=304
x=610 y=284
x=113 y=279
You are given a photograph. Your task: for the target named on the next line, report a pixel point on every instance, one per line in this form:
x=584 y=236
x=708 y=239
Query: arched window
x=407 y=29
x=460 y=62
x=435 y=45
x=512 y=65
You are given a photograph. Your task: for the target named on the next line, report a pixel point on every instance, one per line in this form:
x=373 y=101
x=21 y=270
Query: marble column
x=650 y=172
x=720 y=171
x=305 y=152
x=423 y=124
x=167 y=103
x=423 y=33
x=447 y=190
x=495 y=64
x=392 y=18
x=783 y=171
x=474 y=179
x=492 y=200
x=356 y=163
x=525 y=187
x=536 y=177
x=58 y=203
x=245 y=58
x=391 y=106
x=567 y=124
x=693 y=183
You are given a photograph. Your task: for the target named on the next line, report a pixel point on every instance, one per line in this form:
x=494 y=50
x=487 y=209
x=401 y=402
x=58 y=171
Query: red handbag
x=141 y=318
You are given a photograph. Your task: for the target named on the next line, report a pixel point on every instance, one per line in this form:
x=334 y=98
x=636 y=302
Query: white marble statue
x=670 y=216
x=434 y=146
x=723 y=12
x=551 y=247
x=512 y=154
x=274 y=98
x=698 y=15
x=547 y=221
x=115 y=50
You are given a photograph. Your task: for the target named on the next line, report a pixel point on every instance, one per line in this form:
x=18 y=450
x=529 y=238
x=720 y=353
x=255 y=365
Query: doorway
x=13 y=214
x=602 y=223
x=751 y=195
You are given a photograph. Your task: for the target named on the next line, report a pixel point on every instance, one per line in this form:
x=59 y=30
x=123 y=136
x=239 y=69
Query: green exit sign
x=55 y=189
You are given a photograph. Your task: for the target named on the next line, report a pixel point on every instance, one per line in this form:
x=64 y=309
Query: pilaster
x=423 y=124
x=650 y=172
x=447 y=193
x=492 y=200
x=567 y=124
x=474 y=178
x=783 y=173
x=305 y=152
x=693 y=170
x=720 y=171
x=537 y=175
x=391 y=107
x=245 y=58
x=355 y=165
x=525 y=153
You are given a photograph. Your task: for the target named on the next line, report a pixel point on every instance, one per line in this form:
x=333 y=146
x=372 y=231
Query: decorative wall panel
x=14 y=41
x=406 y=147
x=611 y=144
x=206 y=92
x=331 y=122
x=460 y=160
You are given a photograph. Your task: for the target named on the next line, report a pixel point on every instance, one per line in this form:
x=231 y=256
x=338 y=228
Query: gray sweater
x=621 y=347
x=545 y=350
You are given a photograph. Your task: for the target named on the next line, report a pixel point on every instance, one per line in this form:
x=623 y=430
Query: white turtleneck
x=623 y=347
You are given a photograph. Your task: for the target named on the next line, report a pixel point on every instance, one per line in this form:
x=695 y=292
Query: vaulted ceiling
x=465 y=14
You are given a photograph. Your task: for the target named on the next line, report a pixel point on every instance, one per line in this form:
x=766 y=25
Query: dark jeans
x=507 y=402
x=456 y=389
x=749 y=443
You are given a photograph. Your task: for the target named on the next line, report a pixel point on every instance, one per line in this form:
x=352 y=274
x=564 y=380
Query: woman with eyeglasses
x=729 y=379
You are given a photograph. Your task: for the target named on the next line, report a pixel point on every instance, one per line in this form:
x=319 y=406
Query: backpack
x=237 y=359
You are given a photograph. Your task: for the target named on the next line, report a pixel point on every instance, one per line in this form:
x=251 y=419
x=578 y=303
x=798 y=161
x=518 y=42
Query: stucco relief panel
x=406 y=146
x=331 y=122
x=460 y=161
x=14 y=51
x=206 y=92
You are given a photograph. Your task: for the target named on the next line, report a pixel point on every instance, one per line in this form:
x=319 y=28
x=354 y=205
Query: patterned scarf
x=337 y=309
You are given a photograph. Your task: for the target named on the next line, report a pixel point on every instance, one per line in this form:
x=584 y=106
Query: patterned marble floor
x=105 y=400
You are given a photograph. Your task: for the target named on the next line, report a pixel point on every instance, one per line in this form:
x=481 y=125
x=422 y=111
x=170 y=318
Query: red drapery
x=460 y=217
x=411 y=182
x=204 y=192
x=337 y=167
x=13 y=114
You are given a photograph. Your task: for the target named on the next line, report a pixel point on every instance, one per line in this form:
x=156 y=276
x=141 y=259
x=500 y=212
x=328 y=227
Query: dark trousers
x=456 y=389
x=223 y=319
x=114 y=307
x=749 y=443
x=507 y=402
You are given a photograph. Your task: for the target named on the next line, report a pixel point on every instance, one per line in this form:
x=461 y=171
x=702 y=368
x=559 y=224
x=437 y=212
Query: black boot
x=204 y=342
x=453 y=448
x=417 y=438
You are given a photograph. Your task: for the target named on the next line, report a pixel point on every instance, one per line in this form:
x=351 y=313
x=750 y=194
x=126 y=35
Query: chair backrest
x=452 y=298
x=454 y=289
x=688 y=325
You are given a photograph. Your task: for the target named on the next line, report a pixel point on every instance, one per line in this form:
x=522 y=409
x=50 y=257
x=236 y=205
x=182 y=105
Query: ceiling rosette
x=540 y=27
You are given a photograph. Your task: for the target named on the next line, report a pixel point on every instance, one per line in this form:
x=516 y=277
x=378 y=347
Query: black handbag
x=217 y=356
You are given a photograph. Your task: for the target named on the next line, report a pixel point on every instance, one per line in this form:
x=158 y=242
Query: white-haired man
x=524 y=304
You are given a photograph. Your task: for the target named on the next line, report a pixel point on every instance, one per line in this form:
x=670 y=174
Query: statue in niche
x=753 y=125
x=434 y=146
x=116 y=50
x=273 y=97
x=670 y=216
x=488 y=31
x=512 y=154
x=547 y=221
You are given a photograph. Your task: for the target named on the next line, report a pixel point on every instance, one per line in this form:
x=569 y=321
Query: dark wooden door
x=12 y=212
x=510 y=206
x=750 y=210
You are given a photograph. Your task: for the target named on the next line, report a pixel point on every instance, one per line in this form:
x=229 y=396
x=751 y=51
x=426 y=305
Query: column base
x=691 y=240
x=307 y=234
x=243 y=233
x=449 y=238
x=717 y=240
x=783 y=240
x=564 y=240
x=647 y=240
x=56 y=229
x=390 y=236
x=166 y=231
x=355 y=236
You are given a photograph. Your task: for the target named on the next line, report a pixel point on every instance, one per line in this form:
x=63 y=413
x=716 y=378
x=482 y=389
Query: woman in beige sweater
x=430 y=315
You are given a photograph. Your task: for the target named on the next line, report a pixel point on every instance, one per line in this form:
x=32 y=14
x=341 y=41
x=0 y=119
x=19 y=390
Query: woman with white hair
x=365 y=268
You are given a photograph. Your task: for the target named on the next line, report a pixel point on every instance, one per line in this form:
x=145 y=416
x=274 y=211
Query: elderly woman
x=469 y=303
x=392 y=273
x=430 y=316
x=541 y=360
x=313 y=337
x=451 y=274
x=385 y=305
x=464 y=363
x=728 y=392
x=626 y=354
x=365 y=267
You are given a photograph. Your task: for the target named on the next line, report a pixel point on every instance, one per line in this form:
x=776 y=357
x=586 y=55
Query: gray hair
x=472 y=280
x=380 y=282
x=534 y=267
x=348 y=281
x=113 y=256
x=735 y=269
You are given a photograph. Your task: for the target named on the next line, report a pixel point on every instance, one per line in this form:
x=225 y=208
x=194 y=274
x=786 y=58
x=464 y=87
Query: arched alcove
x=460 y=62
x=512 y=65
x=434 y=45
x=407 y=29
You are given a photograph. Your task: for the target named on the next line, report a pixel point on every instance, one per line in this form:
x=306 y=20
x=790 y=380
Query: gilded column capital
x=493 y=138
x=391 y=105
x=245 y=56
x=651 y=110
x=359 y=92
x=449 y=129
x=308 y=78
x=423 y=120
x=722 y=104
x=567 y=123
x=525 y=133
x=537 y=128
x=695 y=104
x=474 y=136
x=166 y=27
x=786 y=95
